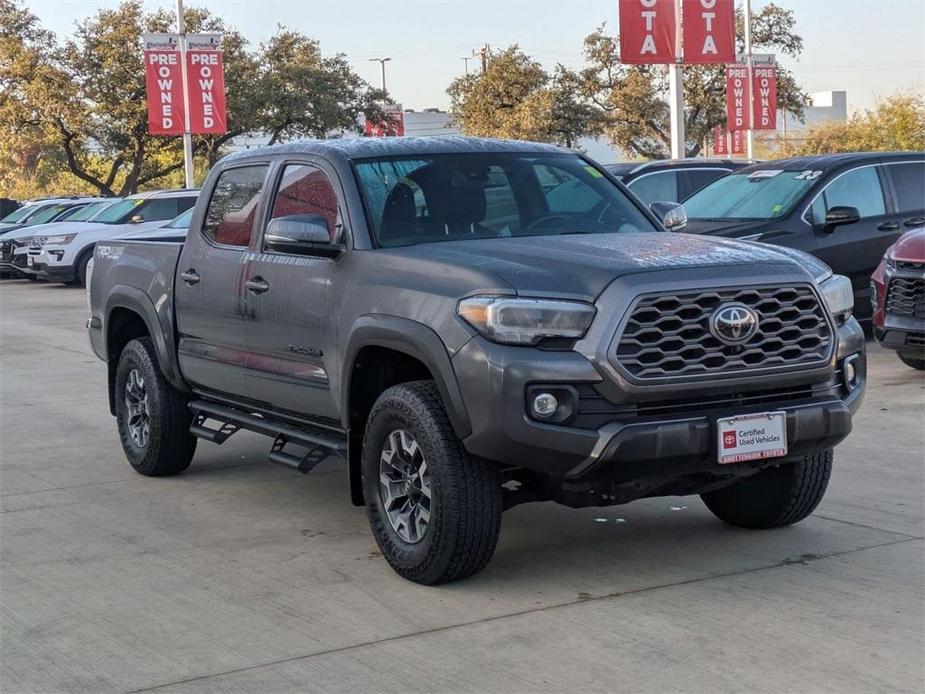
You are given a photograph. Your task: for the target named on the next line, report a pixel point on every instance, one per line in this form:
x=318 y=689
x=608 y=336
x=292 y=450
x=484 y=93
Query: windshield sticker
x=594 y=172
x=777 y=208
x=807 y=176
x=765 y=173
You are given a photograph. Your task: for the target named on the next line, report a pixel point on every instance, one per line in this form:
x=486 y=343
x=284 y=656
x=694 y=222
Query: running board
x=318 y=443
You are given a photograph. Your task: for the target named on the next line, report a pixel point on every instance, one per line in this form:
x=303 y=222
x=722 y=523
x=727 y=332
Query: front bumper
x=494 y=380
x=54 y=273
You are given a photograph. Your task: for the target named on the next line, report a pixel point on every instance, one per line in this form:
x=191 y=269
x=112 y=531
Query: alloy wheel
x=404 y=486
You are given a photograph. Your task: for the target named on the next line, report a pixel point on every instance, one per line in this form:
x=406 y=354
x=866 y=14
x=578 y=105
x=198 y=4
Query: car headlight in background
x=60 y=239
x=838 y=295
x=515 y=321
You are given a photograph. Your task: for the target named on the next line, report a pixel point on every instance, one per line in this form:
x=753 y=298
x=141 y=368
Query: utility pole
x=382 y=62
x=749 y=134
x=466 y=61
x=187 y=136
x=676 y=91
x=483 y=54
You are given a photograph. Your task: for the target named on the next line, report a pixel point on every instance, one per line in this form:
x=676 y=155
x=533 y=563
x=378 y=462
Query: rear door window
x=661 y=186
x=695 y=179
x=909 y=183
x=858 y=188
x=233 y=206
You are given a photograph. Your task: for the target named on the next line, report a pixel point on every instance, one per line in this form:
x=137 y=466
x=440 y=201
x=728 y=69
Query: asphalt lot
x=242 y=576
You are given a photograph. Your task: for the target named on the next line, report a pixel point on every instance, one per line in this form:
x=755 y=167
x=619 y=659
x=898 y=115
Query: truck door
x=209 y=286
x=855 y=249
x=291 y=322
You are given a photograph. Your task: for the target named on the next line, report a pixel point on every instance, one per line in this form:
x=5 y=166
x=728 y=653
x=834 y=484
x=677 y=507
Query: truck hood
x=581 y=266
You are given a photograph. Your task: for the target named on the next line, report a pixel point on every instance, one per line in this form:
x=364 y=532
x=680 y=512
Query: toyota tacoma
x=473 y=324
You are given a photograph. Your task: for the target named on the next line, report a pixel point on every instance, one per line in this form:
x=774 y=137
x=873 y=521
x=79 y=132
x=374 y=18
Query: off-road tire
x=465 y=512
x=774 y=497
x=913 y=361
x=169 y=447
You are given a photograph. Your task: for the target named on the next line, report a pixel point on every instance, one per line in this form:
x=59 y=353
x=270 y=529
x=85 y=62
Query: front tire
x=774 y=497
x=912 y=361
x=152 y=416
x=80 y=269
x=434 y=510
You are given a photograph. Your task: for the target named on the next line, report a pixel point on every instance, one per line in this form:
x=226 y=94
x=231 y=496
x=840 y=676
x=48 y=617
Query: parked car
x=174 y=230
x=898 y=299
x=65 y=258
x=18 y=234
x=672 y=180
x=846 y=209
x=462 y=361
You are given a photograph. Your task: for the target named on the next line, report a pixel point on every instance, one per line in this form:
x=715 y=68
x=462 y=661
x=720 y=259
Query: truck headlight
x=525 y=321
x=838 y=295
x=60 y=239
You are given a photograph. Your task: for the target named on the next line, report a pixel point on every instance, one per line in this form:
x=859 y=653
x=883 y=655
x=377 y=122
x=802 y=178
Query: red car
x=898 y=297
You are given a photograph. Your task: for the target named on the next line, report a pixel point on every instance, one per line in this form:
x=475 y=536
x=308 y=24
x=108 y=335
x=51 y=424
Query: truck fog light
x=851 y=372
x=545 y=405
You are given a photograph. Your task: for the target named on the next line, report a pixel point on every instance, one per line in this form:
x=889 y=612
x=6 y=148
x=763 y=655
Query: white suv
x=64 y=257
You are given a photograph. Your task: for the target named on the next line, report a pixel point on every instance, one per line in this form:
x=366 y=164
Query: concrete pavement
x=242 y=576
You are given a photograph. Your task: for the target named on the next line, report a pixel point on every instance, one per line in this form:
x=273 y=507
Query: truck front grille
x=906 y=297
x=669 y=336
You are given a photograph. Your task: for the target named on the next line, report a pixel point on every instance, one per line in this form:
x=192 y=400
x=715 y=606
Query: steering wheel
x=538 y=224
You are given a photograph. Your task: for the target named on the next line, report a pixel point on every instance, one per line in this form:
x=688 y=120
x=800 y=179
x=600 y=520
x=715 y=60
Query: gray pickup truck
x=473 y=324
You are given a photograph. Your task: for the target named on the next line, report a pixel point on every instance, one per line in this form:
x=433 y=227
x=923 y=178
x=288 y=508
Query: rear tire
x=434 y=510
x=152 y=416
x=913 y=361
x=774 y=497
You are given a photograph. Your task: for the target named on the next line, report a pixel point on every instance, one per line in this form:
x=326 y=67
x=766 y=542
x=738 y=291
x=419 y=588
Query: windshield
x=762 y=194
x=447 y=197
x=86 y=212
x=46 y=214
x=181 y=222
x=120 y=212
x=18 y=214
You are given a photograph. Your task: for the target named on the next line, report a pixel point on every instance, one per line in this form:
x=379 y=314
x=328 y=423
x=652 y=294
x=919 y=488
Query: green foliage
x=896 y=124
x=81 y=105
x=516 y=98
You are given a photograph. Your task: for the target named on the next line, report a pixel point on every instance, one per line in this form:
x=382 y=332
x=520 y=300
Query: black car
x=846 y=209
x=672 y=180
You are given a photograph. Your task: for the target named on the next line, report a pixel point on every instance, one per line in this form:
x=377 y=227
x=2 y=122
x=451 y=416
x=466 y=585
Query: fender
x=160 y=328
x=416 y=340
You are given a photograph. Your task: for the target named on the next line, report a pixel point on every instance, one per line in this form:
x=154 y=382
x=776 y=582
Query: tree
x=896 y=124
x=516 y=98
x=305 y=94
x=633 y=99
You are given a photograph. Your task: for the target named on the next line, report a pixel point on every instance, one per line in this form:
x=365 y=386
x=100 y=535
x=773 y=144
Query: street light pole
x=749 y=134
x=187 y=136
x=676 y=93
x=382 y=62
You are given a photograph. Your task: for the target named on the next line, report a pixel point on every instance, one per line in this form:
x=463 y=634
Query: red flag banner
x=737 y=114
x=738 y=142
x=647 y=31
x=720 y=142
x=164 y=85
x=764 y=96
x=709 y=31
x=205 y=76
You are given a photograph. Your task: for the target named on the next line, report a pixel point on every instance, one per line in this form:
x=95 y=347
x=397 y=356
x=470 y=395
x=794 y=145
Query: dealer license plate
x=752 y=437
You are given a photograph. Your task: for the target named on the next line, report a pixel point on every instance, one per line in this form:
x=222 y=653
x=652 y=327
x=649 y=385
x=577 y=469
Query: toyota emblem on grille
x=733 y=324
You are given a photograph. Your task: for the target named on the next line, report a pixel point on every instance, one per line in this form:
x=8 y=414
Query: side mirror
x=300 y=234
x=137 y=219
x=671 y=214
x=839 y=216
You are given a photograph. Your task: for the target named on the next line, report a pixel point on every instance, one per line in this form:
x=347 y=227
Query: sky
x=871 y=49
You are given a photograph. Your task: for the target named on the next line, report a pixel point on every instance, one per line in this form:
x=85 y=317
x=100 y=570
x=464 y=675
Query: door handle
x=191 y=277
x=257 y=285
x=915 y=222
x=888 y=226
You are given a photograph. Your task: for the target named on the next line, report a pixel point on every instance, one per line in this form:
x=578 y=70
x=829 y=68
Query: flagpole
x=187 y=136
x=749 y=140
